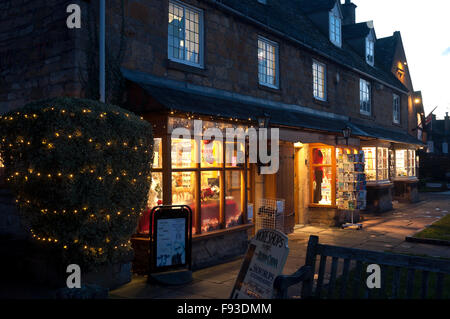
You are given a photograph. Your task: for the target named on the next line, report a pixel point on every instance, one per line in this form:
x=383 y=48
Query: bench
x=397 y=273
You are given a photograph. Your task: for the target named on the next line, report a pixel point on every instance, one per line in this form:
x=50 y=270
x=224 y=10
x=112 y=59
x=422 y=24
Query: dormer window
x=370 y=51
x=336 y=26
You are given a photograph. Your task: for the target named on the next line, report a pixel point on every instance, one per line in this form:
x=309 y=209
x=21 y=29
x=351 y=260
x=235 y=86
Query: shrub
x=80 y=170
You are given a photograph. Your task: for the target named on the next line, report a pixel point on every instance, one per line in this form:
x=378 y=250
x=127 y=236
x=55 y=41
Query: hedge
x=80 y=170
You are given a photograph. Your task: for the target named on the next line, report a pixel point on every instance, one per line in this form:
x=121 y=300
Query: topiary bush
x=80 y=170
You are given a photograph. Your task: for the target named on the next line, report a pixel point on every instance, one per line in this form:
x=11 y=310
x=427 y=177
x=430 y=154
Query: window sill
x=380 y=184
x=321 y=102
x=410 y=179
x=269 y=88
x=367 y=116
x=220 y=232
x=397 y=124
x=179 y=66
x=322 y=206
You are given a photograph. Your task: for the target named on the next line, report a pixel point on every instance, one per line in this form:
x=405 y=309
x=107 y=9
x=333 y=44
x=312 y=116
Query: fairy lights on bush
x=80 y=171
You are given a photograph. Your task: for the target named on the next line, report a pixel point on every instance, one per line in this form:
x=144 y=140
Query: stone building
x=338 y=95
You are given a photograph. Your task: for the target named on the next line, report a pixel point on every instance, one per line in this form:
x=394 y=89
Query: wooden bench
x=397 y=271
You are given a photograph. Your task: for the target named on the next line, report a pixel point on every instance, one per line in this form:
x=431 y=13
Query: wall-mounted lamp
x=347 y=132
x=417 y=101
x=263 y=122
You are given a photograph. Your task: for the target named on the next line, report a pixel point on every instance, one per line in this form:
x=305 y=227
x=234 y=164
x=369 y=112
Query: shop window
x=405 y=163
x=155 y=193
x=183 y=190
x=210 y=201
x=235 y=154
x=157 y=153
x=322 y=176
x=212 y=154
x=183 y=153
x=233 y=209
x=376 y=163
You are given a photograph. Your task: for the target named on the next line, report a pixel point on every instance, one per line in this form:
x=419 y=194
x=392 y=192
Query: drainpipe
x=102 y=52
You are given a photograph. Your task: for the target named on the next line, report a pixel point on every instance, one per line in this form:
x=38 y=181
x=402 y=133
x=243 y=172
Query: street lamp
x=347 y=132
x=263 y=122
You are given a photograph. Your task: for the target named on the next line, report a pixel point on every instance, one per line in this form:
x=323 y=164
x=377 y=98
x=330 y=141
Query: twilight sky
x=425 y=29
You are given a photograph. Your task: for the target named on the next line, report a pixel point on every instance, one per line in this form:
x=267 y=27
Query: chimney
x=447 y=124
x=349 y=12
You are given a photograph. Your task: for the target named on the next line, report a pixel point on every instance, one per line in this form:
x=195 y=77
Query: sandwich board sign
x=263 y=262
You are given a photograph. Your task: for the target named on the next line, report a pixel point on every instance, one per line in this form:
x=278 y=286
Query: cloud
x=446 y=52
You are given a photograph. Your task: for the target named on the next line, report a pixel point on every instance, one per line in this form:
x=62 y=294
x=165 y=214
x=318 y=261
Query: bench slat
x=388 y=259
x=396 y=283
x=344 y=278
x=410 y=284
x=357 y=279
x=424 y=292
x=439 y=285
x=333 y=274
x=323 y=263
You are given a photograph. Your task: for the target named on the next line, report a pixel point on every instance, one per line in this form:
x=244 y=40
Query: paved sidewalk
x=385 y=232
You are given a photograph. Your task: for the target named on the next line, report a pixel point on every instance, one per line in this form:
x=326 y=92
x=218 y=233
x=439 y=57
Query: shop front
x=405 y=174
x=210 y=175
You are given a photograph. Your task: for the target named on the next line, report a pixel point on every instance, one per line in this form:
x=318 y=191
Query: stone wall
x=331 y=217
x=37 y=57
x=379 y=198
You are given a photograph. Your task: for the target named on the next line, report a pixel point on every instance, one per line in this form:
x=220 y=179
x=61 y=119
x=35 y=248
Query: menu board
x=170 y=242
x=264 y=261
x=351 y=190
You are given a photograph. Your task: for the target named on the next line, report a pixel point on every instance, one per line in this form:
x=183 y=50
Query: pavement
x=383 y=232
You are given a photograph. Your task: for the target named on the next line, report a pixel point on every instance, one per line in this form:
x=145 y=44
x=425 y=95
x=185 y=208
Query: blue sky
x=425 y=29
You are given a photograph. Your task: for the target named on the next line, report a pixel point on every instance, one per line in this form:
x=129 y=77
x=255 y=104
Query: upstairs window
x=319 y=82
x=396 y=108
x=268 y=63
x=335 y=27
x=185 y=43
x=370 y=51
x=365 y=97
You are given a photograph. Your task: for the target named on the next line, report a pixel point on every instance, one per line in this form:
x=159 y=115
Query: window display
x=157 y=153
x=183 y=153
x=235 y=154
x=212 y=154
x=322 y=176
x=376 y=163
x=210 y=201
x=233 y=211
x=405 y=163
x=155 y=192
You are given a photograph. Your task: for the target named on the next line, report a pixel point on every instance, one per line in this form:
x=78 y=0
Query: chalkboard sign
x=263 y=262
x=170 y=238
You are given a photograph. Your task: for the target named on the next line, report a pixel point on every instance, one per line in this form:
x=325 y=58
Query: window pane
x=157 y=153
x=267 y=62
x=235 y=154
x=233 y=209
x=155 y=193
x=401 y=163
x=322 y=179
x=382 y=163
x=183 y=192
x=212 y=154
x=370 y=164
x=322 y=156
x=183 y=153
x=210 y=199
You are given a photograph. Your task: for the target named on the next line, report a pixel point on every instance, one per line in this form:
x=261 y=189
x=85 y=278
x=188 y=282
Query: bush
x=80 y=170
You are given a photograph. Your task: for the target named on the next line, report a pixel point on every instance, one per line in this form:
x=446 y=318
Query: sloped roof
x=309 y=6
x=290 y=19
x=385 y=51
x=357 y=30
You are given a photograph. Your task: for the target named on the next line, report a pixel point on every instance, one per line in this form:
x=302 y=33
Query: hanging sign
x=263 y=262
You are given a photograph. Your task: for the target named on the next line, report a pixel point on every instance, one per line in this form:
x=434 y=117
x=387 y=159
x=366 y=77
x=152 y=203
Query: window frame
x=335 y=17
x=411 y=160
x=266 y=41
x=200 y=63
x=368 y=93
x=370 y=51
x=396 y=111
x=323 y=65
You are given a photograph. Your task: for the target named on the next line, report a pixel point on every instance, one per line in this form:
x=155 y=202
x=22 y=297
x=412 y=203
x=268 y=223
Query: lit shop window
x=212 y=154
x=155 y=192
x=233 y=209
x=183 y=153
x=157 y=153
x=235 y=154
x=210 y=200
x=405 y=163
x=376 y=163
x=322 y=180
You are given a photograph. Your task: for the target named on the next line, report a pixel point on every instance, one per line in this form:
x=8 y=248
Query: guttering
x=283 y=35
